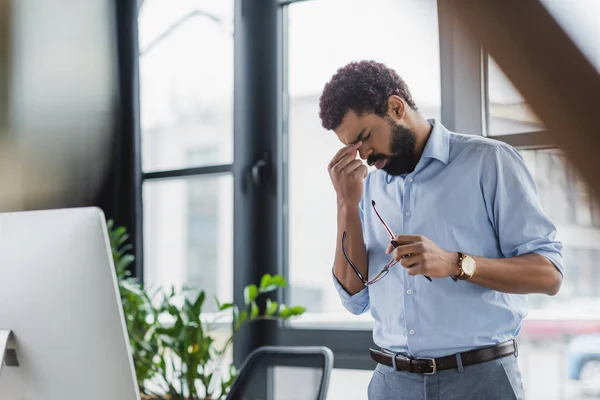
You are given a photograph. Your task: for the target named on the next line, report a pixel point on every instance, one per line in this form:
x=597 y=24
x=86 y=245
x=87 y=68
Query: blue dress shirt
x=469 y=194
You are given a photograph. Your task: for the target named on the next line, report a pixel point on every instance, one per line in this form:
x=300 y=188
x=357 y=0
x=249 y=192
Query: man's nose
x=363 y=152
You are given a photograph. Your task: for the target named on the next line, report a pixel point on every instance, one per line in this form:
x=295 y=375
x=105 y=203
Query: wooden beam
x=558 y=82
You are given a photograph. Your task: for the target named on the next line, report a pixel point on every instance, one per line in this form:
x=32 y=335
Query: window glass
x=188 y=233
x=508 y=112
x=186 y=82
x=566 y=199
x=561 y=334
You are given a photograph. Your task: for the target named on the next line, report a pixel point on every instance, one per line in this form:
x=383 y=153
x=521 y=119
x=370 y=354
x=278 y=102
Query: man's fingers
x=353 y=165
x=410 y=261
x=416 y=270
x=408 y=239
x=343 y=163
x=365 y=170
x=349 y=149
x=406 y=249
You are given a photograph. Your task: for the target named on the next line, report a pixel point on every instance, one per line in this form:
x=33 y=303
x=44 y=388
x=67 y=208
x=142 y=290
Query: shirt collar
x=438 y=144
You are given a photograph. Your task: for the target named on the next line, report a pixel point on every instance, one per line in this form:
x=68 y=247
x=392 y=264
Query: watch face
x=468 y=265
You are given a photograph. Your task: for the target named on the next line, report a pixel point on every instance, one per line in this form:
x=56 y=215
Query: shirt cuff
x=555 y=259
x=355 y=303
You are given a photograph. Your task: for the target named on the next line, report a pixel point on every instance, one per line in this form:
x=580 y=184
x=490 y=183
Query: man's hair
x=363 y=87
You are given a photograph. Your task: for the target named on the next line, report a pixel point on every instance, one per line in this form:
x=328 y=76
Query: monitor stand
x=8 y=355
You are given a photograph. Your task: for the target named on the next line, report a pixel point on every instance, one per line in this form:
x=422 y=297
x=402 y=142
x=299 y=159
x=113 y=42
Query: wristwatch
x=466 y=267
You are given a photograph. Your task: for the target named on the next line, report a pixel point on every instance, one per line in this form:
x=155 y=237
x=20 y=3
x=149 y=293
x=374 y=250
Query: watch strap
x=461 y=274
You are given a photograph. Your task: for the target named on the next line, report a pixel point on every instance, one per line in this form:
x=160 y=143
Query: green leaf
x=297 y=310
x=199 y=303
x=239 y=319
x=225 y=306
x=268 y=288
x=250 y=293
x=243 y=316
x=265 y=282
x=284 y=311
x=270 y=283
x=272 y=307
x=254 y=312
x=279 y=281
x=236 y=315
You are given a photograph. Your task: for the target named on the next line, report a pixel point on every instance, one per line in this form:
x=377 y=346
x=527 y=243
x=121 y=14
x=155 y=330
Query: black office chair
x=284 y=373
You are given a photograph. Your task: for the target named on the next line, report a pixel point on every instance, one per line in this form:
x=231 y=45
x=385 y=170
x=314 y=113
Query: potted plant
x=179 y=352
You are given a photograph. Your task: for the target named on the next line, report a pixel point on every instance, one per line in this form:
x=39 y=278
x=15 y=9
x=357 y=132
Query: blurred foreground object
x=21 y=184
x=58 y=101
x=558 y=82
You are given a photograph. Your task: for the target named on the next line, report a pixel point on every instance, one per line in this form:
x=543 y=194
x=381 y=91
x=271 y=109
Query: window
x=186 y=90
x=507 y=111
x=555 y=325
x=188 y=225
x=326 y=30
x=568 y=203
x=186 y=82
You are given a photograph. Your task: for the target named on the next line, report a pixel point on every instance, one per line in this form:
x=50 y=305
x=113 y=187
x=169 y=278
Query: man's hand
x=421 y=256
x=347 y=175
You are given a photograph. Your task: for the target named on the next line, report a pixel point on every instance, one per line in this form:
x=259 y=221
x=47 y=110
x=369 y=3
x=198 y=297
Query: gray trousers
x=493 y=380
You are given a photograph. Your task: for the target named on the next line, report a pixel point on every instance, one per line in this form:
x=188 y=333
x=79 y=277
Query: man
x=465 y=234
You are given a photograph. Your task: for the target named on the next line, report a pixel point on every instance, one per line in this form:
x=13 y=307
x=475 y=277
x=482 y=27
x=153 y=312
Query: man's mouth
x=379 y=164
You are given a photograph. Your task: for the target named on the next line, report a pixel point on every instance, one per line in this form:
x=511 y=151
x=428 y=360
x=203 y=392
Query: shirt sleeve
x=513 y=206
x=357 y=303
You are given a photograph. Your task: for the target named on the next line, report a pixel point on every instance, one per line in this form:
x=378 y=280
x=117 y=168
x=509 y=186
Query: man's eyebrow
x=360 y=137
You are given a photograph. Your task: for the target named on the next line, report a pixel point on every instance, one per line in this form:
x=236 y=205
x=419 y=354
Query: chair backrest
x=284 y=373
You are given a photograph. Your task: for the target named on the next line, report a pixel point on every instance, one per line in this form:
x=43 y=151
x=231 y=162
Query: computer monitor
x=59 y=297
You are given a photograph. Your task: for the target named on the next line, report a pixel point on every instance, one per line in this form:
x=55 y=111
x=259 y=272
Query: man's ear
x=396 y=107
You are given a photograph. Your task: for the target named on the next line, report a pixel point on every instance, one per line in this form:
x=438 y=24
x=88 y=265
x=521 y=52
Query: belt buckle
x=433 y=366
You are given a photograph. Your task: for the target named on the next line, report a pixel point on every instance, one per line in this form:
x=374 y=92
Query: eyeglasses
x=389 y=231
x=385 y=269
x=377 y=277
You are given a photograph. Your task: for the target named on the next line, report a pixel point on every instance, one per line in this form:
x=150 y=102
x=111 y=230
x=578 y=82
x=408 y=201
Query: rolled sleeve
x=513 y=206
x=357 y=303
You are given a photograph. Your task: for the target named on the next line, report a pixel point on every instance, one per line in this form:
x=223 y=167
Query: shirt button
x=407 y=214
x=410 y=180
x=409 y=291
x=412 y=332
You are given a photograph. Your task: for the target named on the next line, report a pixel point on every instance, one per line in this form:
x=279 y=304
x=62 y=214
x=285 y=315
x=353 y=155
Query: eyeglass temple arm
x=360 y=275
x=387 y=228
x=389 y=231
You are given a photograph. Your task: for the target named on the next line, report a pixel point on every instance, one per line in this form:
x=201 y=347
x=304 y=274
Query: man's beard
x=402 y=148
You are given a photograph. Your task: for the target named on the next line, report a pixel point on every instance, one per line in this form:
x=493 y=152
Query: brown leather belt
x=430 y=366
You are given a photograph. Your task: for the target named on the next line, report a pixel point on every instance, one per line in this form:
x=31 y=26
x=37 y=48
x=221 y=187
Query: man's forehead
x=350 y=128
